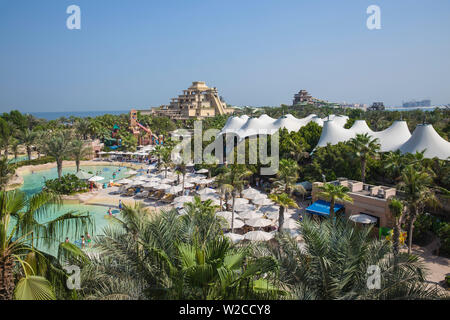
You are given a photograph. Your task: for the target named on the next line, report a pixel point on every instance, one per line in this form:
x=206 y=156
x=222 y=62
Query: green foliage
x=67 y=185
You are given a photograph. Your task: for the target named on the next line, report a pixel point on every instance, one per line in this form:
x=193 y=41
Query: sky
x=141 y=53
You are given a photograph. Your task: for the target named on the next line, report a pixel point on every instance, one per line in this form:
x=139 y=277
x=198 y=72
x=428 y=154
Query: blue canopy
x=322 y=208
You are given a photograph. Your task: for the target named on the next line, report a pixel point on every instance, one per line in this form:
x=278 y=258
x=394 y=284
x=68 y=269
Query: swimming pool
x=33 y=183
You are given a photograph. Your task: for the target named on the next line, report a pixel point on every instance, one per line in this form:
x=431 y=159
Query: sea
x=80 y=114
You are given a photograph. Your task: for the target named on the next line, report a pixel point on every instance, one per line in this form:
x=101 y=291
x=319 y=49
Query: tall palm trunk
x=77 y=163
x=232 y=212
x=396 y=238
x=29 y=152
x=363 y=169
x=59 y=167
x=281 y=219
x=6 y=278
x=332 y=208
x=412 y=219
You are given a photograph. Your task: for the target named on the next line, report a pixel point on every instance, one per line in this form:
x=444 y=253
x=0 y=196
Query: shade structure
x=173 y=190
x=262 y=201
x=272 y=215
x=142 y=178
x=236 y=224
x=206 y=181
x=258 y=236
x=162 y=186
x=363 y=218
x=83 y=175
x=234 y=236
x=248 y=215
x=183 y=199
x=188 y=185
x=290 y=224
x=225 y=214
x=250 y=193
x=138 y=183
x=207 y=191
x=96 y=178
x=209 y=196
x=202 y=171
x=426 y=138
x=269 y=209
x=239 y=201
x=322 y=208
x=124 y=181
x=167 y=180
x=131 y=172
x=244 y=207
x=258 y=222
x=150 y=185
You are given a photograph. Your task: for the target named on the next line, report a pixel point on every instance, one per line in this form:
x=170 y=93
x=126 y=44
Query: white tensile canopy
x=393 y=137
x=362 y=218
x=83 y=175
x=131 y=172
x=332 y=133
x=202 y=171
x=426 y=138
x=96 y=178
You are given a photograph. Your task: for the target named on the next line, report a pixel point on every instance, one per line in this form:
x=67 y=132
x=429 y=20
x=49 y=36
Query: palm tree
x=334 y=192
x=19 y=231
x=394 y=164
x=396 y=207
x=28 y=139
x=415 y=185
x=6 y=172
x=287 y=177
x=83 y=127
x=166 y=161
x=78 y=150
x=334 y=261
x=285 y=202
x=364 y=147
x=181 y=169
x=58 y=146
x=6 y=131
x=15 y=148
x=234 y=178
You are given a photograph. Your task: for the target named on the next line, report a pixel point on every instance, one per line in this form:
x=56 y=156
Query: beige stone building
x=198 y=101
x=367 y=199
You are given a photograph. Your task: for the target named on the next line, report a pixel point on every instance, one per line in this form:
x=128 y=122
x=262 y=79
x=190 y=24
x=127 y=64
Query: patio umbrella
x=237 y=224
x=83 y=175
x=209 y=196
x=248 y=215
x=207 y=181
x=250 y=193
x=162 y=186
x=244 y=207
x=363 y=218
x=183 y=199
x=96 y=178
x=138 y=183
x=124 y=181
x=225 y=214
x=272 y=215
x=202 y=171
x=239 y=201
x=269 y=209
x=188 y=185
x=150 y=185
x=174 y=190
x=142 y=178
x=207 y=191
x=290 y=224
x=234 y=236
x=262 y=201
x=258 y=236
x=258 y=222
x=167 y=180
x=131 y=172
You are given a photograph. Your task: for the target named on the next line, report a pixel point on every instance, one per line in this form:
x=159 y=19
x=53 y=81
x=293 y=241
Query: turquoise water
x=19 y=158
x=34 y=182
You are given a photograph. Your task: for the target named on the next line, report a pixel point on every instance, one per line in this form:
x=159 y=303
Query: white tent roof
x=360 y=126
x=332 y=133
x=425 y=137
x=393 y=137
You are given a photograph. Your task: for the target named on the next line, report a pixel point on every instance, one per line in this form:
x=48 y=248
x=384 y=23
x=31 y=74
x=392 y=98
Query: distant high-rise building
x=415 y=104
x=376 y=106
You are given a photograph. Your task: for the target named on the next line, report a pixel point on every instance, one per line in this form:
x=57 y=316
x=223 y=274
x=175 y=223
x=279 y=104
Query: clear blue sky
x=256 y=52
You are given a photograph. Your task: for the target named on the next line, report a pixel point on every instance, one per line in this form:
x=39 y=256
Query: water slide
x=143 y=128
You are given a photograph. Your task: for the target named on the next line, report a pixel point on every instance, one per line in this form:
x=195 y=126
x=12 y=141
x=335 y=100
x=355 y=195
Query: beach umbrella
x=142 y=178
x=363 y=218
x=183 y=199
x=234 y=236
x=137 y=183
x=290 y=224
x=207 y=181
x=150 y=185
x=162 y=186
x=202 y=171
x=272 y=215
x=244 y=207
x=83 y=175
x=174 y=190
x=262 y=201
x=103 y=152
x=96 y=178
x=258 y=222
x=225 y=214
x=250 y=192
x=131 y=172
x=269 y=209
x=124 y=181
x=207 y=191
x=209 y=196
x=237 y=224
x=188 y=185
x=258 y=236
x=167 y=180
x=239 y=201
x=248 y=215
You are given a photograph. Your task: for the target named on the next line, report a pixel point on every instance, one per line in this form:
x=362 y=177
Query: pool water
x=33 y=183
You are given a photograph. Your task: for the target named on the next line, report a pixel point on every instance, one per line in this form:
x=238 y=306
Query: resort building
x=376 y=106
x=304 y=98
x=198 y=101
x=369 y=201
